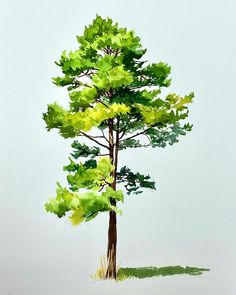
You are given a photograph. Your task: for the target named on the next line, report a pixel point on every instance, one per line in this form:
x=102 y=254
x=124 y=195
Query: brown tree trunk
x=112 y=230
x=111 y=248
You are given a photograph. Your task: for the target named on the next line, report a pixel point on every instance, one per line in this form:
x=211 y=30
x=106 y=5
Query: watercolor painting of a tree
x=115 y=103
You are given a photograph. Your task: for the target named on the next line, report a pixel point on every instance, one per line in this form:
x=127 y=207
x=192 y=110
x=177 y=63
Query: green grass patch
x=152 y=271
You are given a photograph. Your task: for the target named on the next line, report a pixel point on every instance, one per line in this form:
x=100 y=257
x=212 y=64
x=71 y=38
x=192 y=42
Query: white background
x=190 y=218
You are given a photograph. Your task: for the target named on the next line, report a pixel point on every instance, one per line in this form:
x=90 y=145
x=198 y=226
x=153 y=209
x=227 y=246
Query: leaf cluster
x=134 y=182
x=89 y=187
x=82 y=206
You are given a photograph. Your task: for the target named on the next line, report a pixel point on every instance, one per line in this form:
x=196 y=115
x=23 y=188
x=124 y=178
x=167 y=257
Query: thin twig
x=97 y=136
x=98 y=100
x=104 y=135
x=122 y=134
x=102 y=187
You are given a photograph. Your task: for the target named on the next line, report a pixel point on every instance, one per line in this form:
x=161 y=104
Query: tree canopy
x=115 y=102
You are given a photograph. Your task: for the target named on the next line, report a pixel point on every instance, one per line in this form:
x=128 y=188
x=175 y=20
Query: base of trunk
x=111 y=248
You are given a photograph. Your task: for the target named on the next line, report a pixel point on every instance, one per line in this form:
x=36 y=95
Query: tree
x=115 y=103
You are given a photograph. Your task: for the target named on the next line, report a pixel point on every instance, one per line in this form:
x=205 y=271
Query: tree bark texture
x=111 y=247
x=112 y=230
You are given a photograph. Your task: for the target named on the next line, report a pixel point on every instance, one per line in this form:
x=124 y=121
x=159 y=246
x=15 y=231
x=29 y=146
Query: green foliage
x=162 y=137
x=55 y=116
x=82 y=150
x=173 y=109
x=90 y=175
x=130 y=143
x=133 y=182
x=70 y=124
x=83 y=98
x=111 y=79
x=62 y=203
x=82 y=206
x=117 y=80
x=114 y=91
x=157 y=75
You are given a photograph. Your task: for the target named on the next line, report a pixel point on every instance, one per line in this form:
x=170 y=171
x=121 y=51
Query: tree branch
x=91 y=138
x=123 y=133
x=97 y=136
x=139 y=133
x=102 y=187
x=99 y=100
x=104 y=135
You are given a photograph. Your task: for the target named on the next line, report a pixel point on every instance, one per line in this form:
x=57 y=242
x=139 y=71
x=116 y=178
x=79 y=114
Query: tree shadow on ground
x=151 y=271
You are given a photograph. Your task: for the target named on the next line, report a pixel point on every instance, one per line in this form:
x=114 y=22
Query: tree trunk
x=112 y=231
x=111 y=248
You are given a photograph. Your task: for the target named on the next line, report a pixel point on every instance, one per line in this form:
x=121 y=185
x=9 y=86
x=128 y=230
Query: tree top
x=106 y=78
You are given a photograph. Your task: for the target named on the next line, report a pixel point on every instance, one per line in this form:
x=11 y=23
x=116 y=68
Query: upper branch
x=137 y=134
